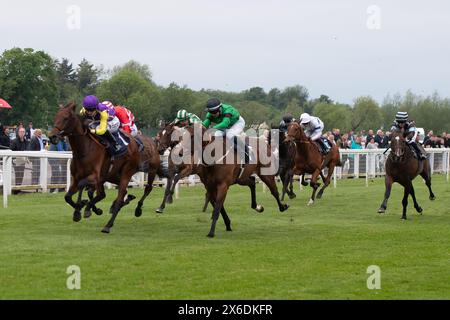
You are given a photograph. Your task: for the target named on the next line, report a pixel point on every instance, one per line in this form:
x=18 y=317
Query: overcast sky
x=233 y=45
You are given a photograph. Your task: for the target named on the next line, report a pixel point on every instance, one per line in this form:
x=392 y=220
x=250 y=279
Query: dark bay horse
x=92 y=166
x=175 y=173
x=218 y=177
x=308 y=159
x=403 y=167
x=286 y=153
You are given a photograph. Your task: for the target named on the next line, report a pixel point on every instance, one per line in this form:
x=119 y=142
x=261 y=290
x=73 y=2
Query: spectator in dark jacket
x=382 y=140
x=58 y=166
x=36 y=144
x=5 y=142
x=19 y=144
x=30 y=131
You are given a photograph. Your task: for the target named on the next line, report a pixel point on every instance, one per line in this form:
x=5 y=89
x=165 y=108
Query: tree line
x=35 y=84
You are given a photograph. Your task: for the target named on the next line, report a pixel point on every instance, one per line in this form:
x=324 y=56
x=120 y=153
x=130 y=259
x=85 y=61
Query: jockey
x=410 y=132
x=126 y=119
x=313 y=127
x=287 y=120
x=108 y=122
x=185 y=118
x=229 y=121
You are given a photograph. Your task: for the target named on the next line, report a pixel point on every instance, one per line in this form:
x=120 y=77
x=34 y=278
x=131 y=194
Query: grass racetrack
x=319 y=252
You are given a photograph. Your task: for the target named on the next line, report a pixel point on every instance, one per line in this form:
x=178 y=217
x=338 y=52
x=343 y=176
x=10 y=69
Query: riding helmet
x=182 y=115
x=401 y=116
x=213 y=104
x=91 y=102
x=305 y=118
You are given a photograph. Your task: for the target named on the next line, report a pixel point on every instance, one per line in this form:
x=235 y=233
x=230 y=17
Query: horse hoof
x=84 y=203
x=259 y=208
x=292 y=196
x=311 y=202
x=381 y=211
x=98 y=211
x=77 y=216
x=130 y=198
x=319 y=196
x=404 y=219
x=229 y=229
x=138 y=212
x=210 y=235
x=432 y=198
x=159 y=210
x=419 y=210
x=87 y=214
x=106 y=230
x=284 y=207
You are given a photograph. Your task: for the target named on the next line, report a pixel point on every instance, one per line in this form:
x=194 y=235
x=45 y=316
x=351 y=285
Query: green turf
x=319 y=252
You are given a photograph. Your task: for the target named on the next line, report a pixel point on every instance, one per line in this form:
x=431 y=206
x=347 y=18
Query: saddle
x=324 y=145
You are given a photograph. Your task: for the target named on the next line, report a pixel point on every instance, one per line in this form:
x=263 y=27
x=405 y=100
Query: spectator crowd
x=19 y=138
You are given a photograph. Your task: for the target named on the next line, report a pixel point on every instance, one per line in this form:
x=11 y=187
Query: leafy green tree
x=142 y=69
x=28 y=83
x=87 y=77
x=175 y=98
x=254 y=113
x=297 y=92
x=66 y=81
x=334 y=115
x=366 y=114
x=274 y=98
x=293 y=108
x=127 y=87
x=255 y=94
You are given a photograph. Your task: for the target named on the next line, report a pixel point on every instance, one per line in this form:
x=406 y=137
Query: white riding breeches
x=235 y=129
x=316 y=134
x=134 y=130
x=114 y=125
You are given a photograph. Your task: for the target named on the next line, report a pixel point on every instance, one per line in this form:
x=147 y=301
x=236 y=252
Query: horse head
x=295 y=133
x=398 y=146
x=66 y=123
x=164 y=138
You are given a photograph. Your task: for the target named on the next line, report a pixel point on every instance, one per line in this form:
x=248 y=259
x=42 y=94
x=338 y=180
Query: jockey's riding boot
x=240 y=146
x=419 y=152
x=322 y=146
x=112 y=140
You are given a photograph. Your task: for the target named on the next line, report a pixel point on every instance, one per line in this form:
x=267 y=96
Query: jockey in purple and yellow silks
x=108 y=124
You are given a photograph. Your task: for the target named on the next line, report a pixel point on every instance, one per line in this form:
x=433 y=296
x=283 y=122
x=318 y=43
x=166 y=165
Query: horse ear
x=72 y=105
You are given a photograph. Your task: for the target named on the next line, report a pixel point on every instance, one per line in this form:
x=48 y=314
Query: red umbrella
x=4 y=104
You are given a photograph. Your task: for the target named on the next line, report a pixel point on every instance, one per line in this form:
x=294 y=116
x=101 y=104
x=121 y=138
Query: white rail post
x=432 y=162
x=367 y=169
x=177 y=190
x=356 y=166
x=5 y=184
x=448 y=164
x=8 y=176
x=335 y=177
x=43 y=173
x=68 y=175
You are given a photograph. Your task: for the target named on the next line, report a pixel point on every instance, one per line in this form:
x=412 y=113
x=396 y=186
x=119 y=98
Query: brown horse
x=308 y=159
x=286 y=154
x=402 y=167
x=218 y=177
x=175 y=173
x=92 y=166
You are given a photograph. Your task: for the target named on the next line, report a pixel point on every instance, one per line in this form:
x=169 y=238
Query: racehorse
x=402 y=167
x=218 y=177
x=92 y=166
x=286 y=153
x=309 y=159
